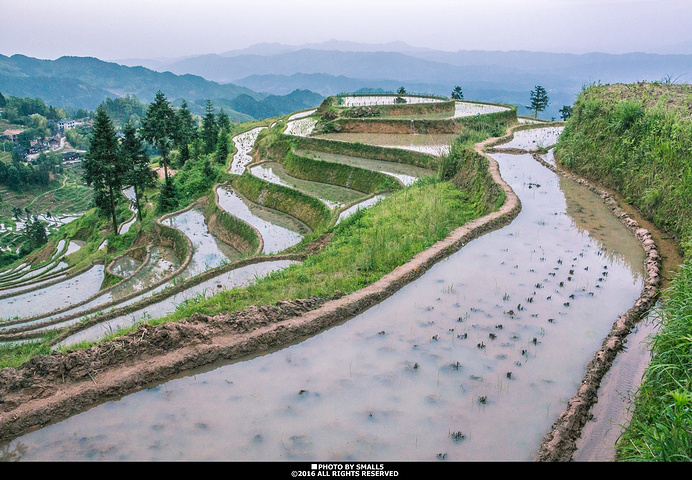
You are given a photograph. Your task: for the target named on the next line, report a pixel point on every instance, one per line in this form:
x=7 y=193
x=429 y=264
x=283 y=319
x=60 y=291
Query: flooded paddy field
x=473 y=361
x=533 y=138
x=244 y=143
x=369 y=100
x=434 y=144
x=333 y=196
x=279 y=231
x=235 y=278
x=406 y=174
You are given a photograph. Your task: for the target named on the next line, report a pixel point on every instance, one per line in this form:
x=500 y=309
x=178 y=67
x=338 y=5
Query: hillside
x=85 y=82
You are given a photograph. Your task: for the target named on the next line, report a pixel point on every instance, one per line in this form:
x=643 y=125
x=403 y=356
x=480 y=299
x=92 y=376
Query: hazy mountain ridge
x=495 y=76
x=84 y=82
x=256 y=77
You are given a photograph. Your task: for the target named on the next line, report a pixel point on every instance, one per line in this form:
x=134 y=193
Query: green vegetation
x=360 y=179
x=637 y=139
x=308 y=209
x=104 y=166
x=539 y=100
x=362 y=249
x=366 y=151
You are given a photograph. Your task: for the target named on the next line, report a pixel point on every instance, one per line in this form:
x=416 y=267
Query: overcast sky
x=173 y=28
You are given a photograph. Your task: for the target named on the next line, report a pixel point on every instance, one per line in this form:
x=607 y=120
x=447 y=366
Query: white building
x=66 y=124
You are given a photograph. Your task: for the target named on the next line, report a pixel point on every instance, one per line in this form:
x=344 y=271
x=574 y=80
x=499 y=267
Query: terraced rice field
x=474 y=360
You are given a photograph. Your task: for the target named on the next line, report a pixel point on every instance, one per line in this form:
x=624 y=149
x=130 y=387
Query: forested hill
x=85 y=82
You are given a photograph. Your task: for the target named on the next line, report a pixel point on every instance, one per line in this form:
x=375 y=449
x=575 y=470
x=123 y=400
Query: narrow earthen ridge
x=559 y=444
x=51 y=388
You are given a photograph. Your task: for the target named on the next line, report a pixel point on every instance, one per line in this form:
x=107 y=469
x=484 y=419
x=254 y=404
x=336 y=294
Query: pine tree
x=457 y=94
x=210 y=129
x=103 y=166
x=223 y=147
x=159 y=128
x=186 y=131
x=565 y=112
x=223 y=121
x=539 y=100
x=139 y=174
x=36 y=233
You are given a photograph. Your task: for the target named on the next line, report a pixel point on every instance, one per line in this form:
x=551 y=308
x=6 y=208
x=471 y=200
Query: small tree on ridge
x=539 y=100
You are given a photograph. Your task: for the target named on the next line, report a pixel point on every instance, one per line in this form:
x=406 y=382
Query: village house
x=66 y=124
x=12 y=134
x=54 y=142
x=71 y=158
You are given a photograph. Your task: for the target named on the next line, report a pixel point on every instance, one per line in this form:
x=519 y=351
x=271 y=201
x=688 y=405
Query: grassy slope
x=637 y=139
x=374 y=241
x=363 y=248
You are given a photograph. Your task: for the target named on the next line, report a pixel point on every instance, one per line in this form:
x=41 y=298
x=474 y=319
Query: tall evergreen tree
x=185 y=132
x=210 y=129
x=223 y=147
x=103 y=165
x=223 y=121
x=36 y=233
x=159 y=128
x=139 y=174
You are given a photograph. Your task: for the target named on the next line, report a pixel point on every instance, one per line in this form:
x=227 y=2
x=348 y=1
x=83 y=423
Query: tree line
x=113 y=163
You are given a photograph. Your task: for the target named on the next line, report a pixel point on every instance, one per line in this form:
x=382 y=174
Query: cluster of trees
x=125 y=109
x=17 y=110
x=175 y=135
x=18 y=175
x=37 y=119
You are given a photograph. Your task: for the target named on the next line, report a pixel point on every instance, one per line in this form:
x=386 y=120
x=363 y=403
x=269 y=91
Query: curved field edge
x=65 y=383
x=636 y=139
x=560 y=442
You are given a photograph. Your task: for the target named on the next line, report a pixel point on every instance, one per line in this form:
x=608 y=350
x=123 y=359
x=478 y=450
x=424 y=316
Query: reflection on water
x=473 y=361
x=331 y=195
x=534 y=138
x=208 y=251
x=406 y=174
x=278 y=231
x=54 y=297
x=234 y=278
x=244 y=143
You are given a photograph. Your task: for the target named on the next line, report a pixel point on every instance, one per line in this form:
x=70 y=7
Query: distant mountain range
x=85 y=82
x=495 y=76
x=270 y=79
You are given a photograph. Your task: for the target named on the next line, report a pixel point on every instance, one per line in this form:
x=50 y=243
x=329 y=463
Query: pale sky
x=172 y=28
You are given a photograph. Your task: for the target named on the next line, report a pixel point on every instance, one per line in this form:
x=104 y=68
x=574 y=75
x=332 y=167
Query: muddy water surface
x=208 y=251
x=278 y=231
x=473 y=361
x=432 y=144
x=406 y=174
x=234 y=278
x=332 y=195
